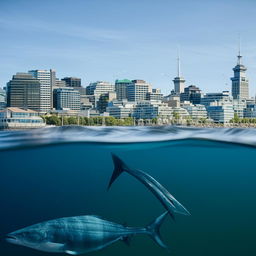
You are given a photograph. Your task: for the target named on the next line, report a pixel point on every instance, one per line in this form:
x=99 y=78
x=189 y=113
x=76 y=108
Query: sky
x=134 y=39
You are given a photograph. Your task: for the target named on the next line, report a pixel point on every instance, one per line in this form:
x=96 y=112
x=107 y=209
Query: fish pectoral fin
x=54 y=247
x=71 y=252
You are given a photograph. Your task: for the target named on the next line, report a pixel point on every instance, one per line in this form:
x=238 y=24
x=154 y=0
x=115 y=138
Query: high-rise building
x=99 y=87
x=192 y=94
x=138 y=90
x=72 y=81
x=2 y=99
x=240 y=84
x=121 y=88
x=66 y=99
x=47 y=80
x=23 y=91
x=179 y=81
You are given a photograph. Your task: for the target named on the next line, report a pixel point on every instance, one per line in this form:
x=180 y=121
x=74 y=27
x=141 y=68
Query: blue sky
x=109 y=39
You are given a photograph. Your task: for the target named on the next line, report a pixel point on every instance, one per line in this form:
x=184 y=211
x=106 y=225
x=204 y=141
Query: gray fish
x=162 y=194
x=81 y=234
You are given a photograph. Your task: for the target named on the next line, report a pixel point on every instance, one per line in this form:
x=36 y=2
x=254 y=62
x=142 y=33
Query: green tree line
x=88 y=121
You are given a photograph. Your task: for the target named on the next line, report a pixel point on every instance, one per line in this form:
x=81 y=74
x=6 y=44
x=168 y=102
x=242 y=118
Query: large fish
x=167 y=200
x=82 y=234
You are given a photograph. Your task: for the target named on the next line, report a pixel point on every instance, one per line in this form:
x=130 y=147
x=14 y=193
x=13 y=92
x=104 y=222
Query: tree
x=53 y=120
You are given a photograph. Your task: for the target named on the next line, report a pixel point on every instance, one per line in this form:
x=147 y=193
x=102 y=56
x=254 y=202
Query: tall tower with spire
x=179 y=81
x=240 y=84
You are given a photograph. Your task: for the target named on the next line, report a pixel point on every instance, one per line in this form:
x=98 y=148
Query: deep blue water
x=53 y=173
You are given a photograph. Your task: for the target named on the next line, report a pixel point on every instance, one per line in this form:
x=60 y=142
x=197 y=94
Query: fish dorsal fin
x=71 y=252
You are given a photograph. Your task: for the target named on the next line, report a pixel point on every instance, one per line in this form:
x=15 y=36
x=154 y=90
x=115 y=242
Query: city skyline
x=141 y=45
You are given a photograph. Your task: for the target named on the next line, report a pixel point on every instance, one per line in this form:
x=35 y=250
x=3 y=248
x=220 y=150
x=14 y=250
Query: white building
x=137 y=90
x=121 y=111
x=99 y=87
x=196 y=111
x=152 y=109
x=16 y=118
x=47 y=80
x=221 y=111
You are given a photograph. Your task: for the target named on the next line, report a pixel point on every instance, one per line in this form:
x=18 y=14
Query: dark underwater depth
x=56 y=173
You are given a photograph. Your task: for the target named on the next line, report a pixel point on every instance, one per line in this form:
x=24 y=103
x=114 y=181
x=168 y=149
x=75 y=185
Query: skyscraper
x=47 y=80
x=179 y=81
x=23 y=91
x=240 y=84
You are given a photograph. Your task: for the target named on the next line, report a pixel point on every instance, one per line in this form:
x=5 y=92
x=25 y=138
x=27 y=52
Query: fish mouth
x=11 y=239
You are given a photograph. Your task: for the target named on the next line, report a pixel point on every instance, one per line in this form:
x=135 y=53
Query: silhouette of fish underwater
x=82 y=234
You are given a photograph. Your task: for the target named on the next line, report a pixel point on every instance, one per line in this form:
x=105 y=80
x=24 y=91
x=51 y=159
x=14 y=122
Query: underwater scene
x=128 y=191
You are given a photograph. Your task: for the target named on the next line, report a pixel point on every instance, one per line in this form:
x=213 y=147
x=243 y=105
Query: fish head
x=29 y=237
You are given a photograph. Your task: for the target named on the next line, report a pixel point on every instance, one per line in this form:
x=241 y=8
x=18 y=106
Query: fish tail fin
x=154 y=230
x=119 y=167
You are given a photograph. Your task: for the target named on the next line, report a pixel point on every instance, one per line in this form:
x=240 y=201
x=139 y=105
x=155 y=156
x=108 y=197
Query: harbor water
x=64 y=171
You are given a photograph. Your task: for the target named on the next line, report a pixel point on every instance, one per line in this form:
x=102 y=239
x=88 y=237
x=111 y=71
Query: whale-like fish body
x=168 y=201
x=81 y=234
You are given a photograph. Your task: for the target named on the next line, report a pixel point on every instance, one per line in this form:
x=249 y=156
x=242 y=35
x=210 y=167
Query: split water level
x=64 y=171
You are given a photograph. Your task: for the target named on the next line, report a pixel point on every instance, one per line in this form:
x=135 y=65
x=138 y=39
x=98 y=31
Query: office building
x=137 y=90
x=47 y=80
x=192 y=94
x=99 y=87
x=66 y=99
x=121 y=88
x=23 y=91
x=208 y=98
x=240 y=84
x=72 y=81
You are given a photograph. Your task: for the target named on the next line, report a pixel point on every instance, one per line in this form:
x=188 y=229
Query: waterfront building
x=72 y=81
x=86 y=101
x=66 y=98
x=16 y=118
x=154 y=95
x=221 y=111
x=192 y=94
x=121 y=111
x=179 y=81
x=104 y=100
x=121 y=88
x=196 y=112
x=239 y=105
x=47 y=80
x=250 y=110
x=240 y=84
x=23 y=91
x=138 y=90
x=99 y=87
x=181 y=112
x=151 y=109
x=208 y=98
x=2 y=99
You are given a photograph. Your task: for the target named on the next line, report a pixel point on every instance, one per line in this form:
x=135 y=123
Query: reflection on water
x=214 y=180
